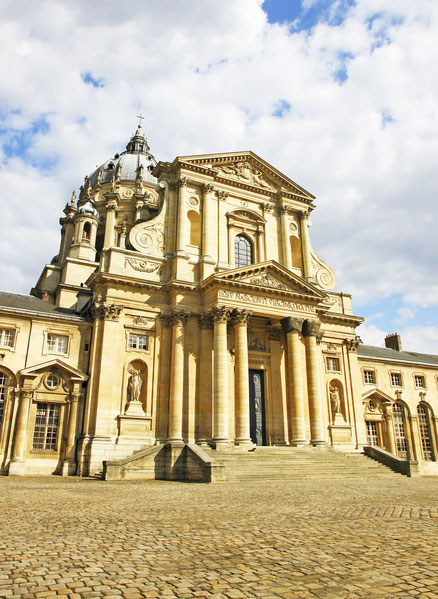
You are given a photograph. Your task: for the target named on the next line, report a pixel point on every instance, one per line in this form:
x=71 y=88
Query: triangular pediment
x=267 y=276
x=73 y=373
x=246 y=168
x=376 y=392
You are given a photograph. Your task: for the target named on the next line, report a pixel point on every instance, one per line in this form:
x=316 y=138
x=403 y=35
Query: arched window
x=425 y=436
x=400 y=431
x=243 y=251
x=195 y=228
x=86 y=232
x=4 y=381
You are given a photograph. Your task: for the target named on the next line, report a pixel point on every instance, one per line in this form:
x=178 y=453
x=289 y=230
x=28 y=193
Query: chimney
x=45 y=296
x=393 y=341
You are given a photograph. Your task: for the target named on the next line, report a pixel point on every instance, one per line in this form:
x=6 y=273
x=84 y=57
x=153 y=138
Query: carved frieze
x=244 y=172
x=267 y=280
x=145 y=322
x=142 y=265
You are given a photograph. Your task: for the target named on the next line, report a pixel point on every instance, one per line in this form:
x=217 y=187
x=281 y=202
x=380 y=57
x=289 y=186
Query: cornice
x=327 y=317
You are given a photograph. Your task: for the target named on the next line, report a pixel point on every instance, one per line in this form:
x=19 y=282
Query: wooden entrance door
x=257 y=407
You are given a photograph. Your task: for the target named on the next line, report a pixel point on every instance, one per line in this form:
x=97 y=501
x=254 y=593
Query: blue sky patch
x=90 y=80
x=341 y=73
x=332 y=12
x=281 y=108
x=18 y=143
x=386 y=118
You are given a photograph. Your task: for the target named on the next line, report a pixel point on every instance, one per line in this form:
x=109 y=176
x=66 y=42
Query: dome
x=133 y=164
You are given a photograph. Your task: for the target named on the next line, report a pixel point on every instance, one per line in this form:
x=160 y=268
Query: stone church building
x=186 y=308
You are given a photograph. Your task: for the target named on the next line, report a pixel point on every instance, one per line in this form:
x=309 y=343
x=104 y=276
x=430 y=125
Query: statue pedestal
x=135 y=425
x=340 y=431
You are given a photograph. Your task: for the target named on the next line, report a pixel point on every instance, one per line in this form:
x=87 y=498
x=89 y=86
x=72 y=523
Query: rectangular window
x=57 y=344
x=396 y=380
x=372 y=434
x=333 y=364
x=7 y=337
x=45 y=434
x=137 y=341
x=369 y=377
x=419 y=381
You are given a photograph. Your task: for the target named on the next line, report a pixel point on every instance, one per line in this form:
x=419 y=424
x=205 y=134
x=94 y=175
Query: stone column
x=163 y=396
x=241 y=375
x=181 y=238
x=390 y=437
x=307 y=260
x=285 y=237
x=111 y=208
x=293 y=327
x=70 y=464
x=17 y=463
x=176 y=378
x=220 y=316
x=260 y=246
x=310 y=330
x=205 y=379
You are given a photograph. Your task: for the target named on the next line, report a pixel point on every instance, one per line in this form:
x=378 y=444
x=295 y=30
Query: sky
x=339 y=95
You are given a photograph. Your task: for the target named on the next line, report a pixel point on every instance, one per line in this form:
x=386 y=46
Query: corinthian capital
x=220 y=314
x=240 y=316
x=311 y=328
x=207 y=188
x=292 y=325
x=179 y=318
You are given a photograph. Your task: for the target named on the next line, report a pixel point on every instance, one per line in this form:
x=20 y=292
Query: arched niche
x=195 y=228
x=337 y=400
x=296 y=253
x=135 y=391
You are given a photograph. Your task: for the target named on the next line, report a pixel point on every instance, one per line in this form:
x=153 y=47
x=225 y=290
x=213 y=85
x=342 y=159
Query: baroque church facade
x=187 y=308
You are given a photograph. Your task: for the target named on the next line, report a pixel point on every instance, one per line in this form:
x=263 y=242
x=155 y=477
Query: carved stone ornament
x=274 y=333
x=205 y=321
x=222 y=195
x=147 y=323
x=106 y=311
x=244 y=172
x=207 y=188
x=292 y=325
x=268 y=207
x=352 y=344
x=323 y=274
x=311 y=328
x=240 y=316
x=220 y=314
x=166 y=320
x=179 y=318
x=267 y=280
x=142 y=265
x=147 y=238
x=127 y=193
x=256 y=344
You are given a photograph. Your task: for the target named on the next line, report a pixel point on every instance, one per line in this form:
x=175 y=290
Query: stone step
x=290 y=463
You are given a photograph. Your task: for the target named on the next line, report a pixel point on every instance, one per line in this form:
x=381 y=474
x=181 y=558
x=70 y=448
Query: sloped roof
x=392 y=355
x=30 y=303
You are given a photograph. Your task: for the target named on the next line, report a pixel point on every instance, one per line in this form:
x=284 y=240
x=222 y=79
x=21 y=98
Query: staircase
x=293 y=463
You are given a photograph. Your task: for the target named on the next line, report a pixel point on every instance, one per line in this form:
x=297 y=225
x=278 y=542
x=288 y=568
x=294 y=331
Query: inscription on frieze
x=265 y=301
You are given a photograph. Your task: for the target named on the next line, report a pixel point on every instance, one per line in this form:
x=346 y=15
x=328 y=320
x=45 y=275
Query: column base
x=298 y=443
x=16 y=467
x=319 y=443
x=222 y=445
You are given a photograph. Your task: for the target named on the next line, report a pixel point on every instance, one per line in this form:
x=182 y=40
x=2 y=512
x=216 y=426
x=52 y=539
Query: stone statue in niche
x=335 y=400
x=135 y=385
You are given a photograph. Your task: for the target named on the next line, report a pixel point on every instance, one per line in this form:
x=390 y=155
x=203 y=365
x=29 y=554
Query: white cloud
x=208 y=76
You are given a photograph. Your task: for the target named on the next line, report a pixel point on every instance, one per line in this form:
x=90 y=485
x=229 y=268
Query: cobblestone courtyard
x=78 y=538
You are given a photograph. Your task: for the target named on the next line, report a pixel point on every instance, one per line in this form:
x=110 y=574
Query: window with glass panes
x=372 y=434
x=45 y=434
x=242 y=251
x=424 y=426
x=57 y=344
x=419 y=381
x=369 y=377
x=137 y=341
x=333 y=364
x=396 y=379
x=400 y=431
x=4 y=380
x=7 y=337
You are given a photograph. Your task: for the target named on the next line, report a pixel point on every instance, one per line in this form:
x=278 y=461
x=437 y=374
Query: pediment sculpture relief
x=245 y=172
x=267 y=280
